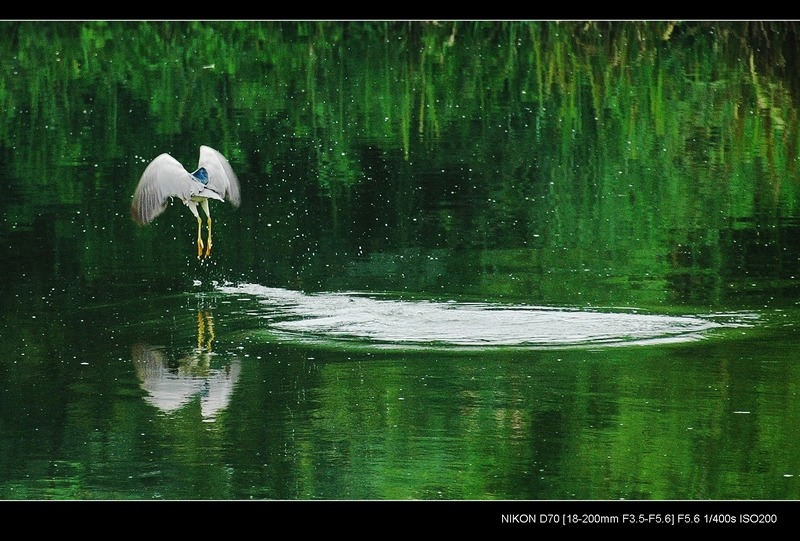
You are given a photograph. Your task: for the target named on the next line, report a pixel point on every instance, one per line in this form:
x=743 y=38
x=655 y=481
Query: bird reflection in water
x=171 y=384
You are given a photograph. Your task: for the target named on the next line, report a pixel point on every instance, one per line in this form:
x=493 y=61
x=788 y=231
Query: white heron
x=165 y=178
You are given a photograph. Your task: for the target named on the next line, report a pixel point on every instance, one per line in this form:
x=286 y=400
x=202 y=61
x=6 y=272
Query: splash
x=357 y=317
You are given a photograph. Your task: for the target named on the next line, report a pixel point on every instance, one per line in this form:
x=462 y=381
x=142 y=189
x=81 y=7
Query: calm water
x=474 y=261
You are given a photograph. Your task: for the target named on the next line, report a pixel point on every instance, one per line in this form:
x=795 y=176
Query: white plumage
x=165 y=178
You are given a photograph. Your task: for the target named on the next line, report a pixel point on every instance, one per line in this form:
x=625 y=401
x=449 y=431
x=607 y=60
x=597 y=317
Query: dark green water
x=473 y=261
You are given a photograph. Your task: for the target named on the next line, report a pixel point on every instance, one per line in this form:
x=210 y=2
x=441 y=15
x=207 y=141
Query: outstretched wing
x=221 y=177
x=163 y=178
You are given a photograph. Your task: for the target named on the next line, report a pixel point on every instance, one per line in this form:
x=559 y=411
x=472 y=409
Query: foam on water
x=354 y=316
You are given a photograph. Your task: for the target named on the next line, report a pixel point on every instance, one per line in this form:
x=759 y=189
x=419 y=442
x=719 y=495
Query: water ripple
x=354 y=316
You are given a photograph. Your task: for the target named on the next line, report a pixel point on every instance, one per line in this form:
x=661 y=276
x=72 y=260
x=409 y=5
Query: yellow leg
x=204 y=204
x=199 y=237
x=208 y=245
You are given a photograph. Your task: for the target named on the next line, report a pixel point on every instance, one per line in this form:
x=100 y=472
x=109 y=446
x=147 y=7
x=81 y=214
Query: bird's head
x=201 y=175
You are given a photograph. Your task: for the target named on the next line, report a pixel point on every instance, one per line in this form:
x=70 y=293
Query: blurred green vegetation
x=647 y=164
x=629 y=152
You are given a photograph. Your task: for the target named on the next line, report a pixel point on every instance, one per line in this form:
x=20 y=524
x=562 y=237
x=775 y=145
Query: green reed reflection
x=619 y=149
x=561 y=425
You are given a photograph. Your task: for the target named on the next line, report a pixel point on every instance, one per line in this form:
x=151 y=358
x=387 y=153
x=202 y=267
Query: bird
x=165 y=178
